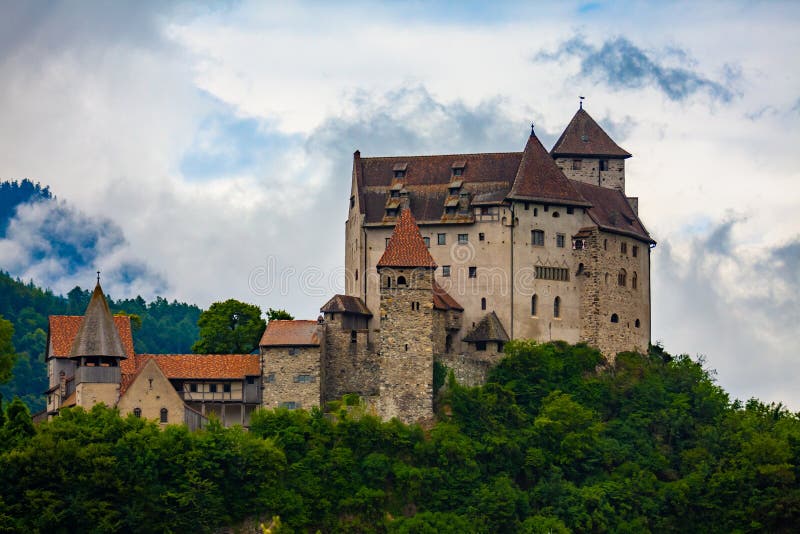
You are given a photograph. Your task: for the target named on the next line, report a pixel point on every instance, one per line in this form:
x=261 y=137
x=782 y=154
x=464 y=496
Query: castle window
x=386 y=243
x=352 y=202
x=427 y=241
x=270 y=378
x=401 y=280
x=623 y=248
x=353 y=336
x=137 y=412
x=634 y=280
x=527 y=206
x=483 y=303
x=448 y=343
x=570 y=210
x=212 y=388
x=535 y=212
x=290 y=405
x=603 y=164
x=635 y=251
x=446 y=271
x=473 y=272
x=441 y=239
x=580 y=268
x=551 y=273
x=399 y=174
x=251 y=380
x=480 y=345
x=500 y=346
x=578 y=244
x=458 y=172
x=605 y=244
x=637 y=323
x=607 y=277
x=557 y=307
x=226 y=388
x=394 y=193
x=356 y=274
x=534 y=300
x=406 y=347
x=622 y=277
x=164 y=415
x=388 y=281
x=481 y=236
x=614 y=318
x=193 y=388
x=463 y=239
x=576 y=164
x=537 y=238
x=560 y=238
x=294 y=351
x=556 y=214
x=546 y=208
x=303 y=379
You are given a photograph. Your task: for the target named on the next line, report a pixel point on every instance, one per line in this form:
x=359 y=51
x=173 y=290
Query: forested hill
x=165 y=327
x=552 y=443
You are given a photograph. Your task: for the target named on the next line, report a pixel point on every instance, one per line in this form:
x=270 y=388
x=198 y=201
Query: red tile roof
x=64 y=328
x=290 y=333
x=406 y=247
x=611 y=212
x=442 y=299
x=539 y=178
x=584 y=137
x=205 y=366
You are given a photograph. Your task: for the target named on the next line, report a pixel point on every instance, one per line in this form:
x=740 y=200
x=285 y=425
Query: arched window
x=137 y=412
x=388 y=281
x=555 y=214
x=637 y=323
x=614 y=318
x=621 y=277
x=557 y=307
x=634 y=280
x=356 y=274
x=483 y=303
x=164 y=415
x=533 y=305
x=401 y=280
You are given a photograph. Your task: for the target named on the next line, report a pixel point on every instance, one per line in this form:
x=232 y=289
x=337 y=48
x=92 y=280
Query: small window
x=578 y=244
x=480 y=345
x=353 y=336
x=352 y=202
x=226 y=388
x=164 y=415
x=356 y=274
x=386 y=243
x=614 y=318
x=294 y=351
x=481 y=236
x=458 y=172
x=527 y=206
x=623 y=248
x=399 y=174
x=535 y=212
x=388 y=281
x=212 y=388
x=137 y=412
x=446 y=271
x=637 y=323
x=193 y=388
x=473 y=272
x=534 y=302
x=537 y=238
x=570 y=210
x=427 y=241
x=463 y=239
x=500 y=346
x=605 y=244
x=576 y=164
x=546 y=208
x=483 y=303
x=622 y=277
x=634 y=281
x=251 y=380
x=304 y=379
x=394 y=193
x=557 y=307
x=485 y=210
x=270 y=378
x=290 y=405
x=441 y=239
x=560 y=238
x=635 y=251
x=603 y=164
x=556 y=214
x=401 y=280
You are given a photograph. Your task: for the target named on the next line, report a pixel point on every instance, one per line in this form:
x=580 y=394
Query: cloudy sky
x=195 y=148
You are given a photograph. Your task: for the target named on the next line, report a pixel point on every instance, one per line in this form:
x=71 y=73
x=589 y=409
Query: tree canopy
x=279 y=315
x=7 y=354
x=229 y=327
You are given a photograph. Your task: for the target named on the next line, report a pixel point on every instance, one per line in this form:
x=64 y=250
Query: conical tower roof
x=97 y=335
x=406 y=248
x=539 y=178
x=584 y=137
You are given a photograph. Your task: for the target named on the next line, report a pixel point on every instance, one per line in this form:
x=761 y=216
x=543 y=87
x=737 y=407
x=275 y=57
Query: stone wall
x=590 y=172
x=471 y=369
x=603 y=297
x=406 y=347
x=349 y=367
x=291 y=376
x=87 y=394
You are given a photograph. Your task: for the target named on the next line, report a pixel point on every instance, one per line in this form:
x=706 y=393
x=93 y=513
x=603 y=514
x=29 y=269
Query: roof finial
x=98 y=278
x=581 y=102
x=532 y=134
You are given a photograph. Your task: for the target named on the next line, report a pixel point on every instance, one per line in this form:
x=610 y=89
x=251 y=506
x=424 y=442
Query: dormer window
x=394 y=193
x=458 y=168
x=399 y=170
x=399 y=174
x=458 y=172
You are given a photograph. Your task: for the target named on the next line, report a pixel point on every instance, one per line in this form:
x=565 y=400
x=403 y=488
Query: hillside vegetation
x=549 y=444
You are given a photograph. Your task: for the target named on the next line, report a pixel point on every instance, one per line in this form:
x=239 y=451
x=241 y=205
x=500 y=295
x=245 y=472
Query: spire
x=97 y=335
x=406 y=248
x=584 y=137
x=538 y=178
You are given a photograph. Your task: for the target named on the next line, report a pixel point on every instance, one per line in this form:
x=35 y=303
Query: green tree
x=7 y=354
x=279 y=315
x=230 y=327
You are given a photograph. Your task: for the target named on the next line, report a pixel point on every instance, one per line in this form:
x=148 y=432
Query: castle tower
x=586 y=153
x=407 y=324
x=97 y=352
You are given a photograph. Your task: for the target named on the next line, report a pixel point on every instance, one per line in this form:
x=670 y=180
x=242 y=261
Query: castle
x=447 y=257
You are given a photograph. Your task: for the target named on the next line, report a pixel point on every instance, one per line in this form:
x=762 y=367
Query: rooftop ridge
x=516 y=152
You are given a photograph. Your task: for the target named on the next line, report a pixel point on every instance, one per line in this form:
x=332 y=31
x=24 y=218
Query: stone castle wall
x=348 y=367
x=291 y=377
x=590 y=172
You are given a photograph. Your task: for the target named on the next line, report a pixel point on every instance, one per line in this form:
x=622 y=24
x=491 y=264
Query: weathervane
x=581 y=102
x=531 y=128
x=98 y=277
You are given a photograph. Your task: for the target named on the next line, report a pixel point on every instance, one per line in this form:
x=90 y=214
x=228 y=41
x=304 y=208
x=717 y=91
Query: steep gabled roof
x=442 y=299
x=406 y=248
x=611 y=211
x=97 y=335
x=488 y=329
x=539 y=178
x=299 y=333
x=346 y=304
x=584 y=137
x=64 y=328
